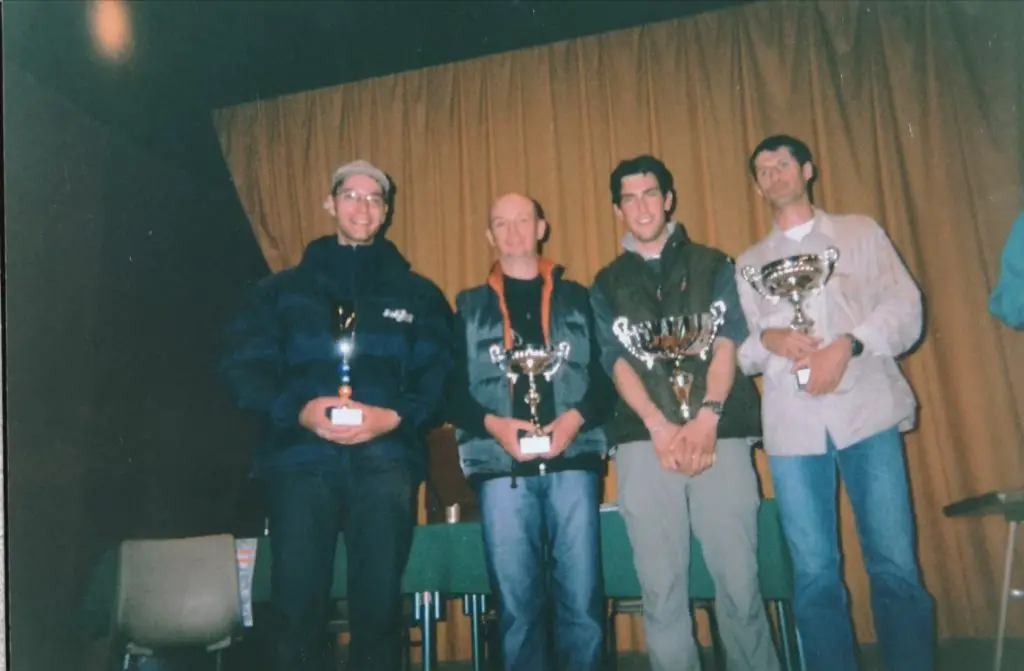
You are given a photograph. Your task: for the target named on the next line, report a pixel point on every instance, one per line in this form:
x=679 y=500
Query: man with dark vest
x=537 y=472
x=675 y=477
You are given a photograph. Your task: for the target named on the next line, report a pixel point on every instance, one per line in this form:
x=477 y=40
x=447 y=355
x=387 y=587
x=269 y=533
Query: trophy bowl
x=531 y=361
x=793 y=278
x=672 y=339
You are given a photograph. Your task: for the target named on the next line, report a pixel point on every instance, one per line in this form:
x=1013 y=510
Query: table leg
x=782 y=612
x=427 y=612
x=1004 y=602
x=474 y=605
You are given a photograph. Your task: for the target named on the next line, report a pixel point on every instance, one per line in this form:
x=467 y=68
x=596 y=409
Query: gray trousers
x=720 y=505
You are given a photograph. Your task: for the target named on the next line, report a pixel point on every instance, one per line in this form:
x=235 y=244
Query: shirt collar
x=822 y=225
x=629 y=241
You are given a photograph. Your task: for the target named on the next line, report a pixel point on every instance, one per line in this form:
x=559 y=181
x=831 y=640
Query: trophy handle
x=620 y=327
x=831 y=256
x=753 y=277
x=499 y=357
x=716 y=319
x=561 y=355
x=717 y=315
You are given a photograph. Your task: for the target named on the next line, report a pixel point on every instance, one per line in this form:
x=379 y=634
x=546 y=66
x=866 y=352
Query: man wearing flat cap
x=343 y=358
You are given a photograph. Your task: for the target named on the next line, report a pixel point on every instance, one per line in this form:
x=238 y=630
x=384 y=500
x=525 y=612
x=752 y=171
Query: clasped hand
x=507 y=430
x=687 y=449
x=376 y=421
x=827 y=364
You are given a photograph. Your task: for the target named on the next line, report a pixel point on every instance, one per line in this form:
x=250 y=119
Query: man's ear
x=618 y=213
x=542 y=229
x=490 y=237
x=330 y=206
x=808 y=171
x=669 y=200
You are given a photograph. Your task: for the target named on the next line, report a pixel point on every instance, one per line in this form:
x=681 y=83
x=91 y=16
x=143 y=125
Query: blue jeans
x=543 y=537
x=875 y=475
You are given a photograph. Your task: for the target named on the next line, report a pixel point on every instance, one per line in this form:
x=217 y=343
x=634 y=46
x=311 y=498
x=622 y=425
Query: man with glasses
x=344 y=431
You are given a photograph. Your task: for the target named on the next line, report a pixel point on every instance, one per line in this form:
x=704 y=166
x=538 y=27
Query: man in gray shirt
x=848 y=416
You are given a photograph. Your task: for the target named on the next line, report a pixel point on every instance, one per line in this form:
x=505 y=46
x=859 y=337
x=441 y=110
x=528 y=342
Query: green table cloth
x=449 y=559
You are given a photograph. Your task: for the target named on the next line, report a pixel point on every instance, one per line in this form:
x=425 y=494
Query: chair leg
x=1004 y=601
x=611 y=644
x=219 y=661
x=782 y=612
x=717 y=653
x=126 y=662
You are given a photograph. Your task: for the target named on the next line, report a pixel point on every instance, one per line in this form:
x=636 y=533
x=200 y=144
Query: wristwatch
x=714 y=406
x=856 y=346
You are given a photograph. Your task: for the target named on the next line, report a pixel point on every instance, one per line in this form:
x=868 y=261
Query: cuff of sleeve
x=287 y=408
x=411 y=413
x=873 y=344
x=752 y=354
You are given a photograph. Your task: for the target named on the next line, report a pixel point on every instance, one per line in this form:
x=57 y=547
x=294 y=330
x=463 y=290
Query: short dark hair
x=642 y=165
x=800 y=151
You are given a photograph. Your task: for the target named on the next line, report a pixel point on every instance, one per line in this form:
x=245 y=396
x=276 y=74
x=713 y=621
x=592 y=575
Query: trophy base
x=344 y=416
x=803 y=376
x=535 y=444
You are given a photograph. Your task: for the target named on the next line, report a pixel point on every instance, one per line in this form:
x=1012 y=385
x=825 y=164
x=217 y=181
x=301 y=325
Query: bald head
x=513 y=205
x=516 y=225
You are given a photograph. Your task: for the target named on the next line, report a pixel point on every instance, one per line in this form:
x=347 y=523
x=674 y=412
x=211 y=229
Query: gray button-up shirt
x=872 y=296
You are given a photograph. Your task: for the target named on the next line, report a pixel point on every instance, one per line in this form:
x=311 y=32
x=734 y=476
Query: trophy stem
x=682 y=382
x=801 y=322
x=533 y=400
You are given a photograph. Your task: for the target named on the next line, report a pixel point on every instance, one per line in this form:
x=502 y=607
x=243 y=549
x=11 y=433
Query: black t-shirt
x=523 y=299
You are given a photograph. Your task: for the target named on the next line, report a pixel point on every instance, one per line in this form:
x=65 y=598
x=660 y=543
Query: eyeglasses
x=373 y=200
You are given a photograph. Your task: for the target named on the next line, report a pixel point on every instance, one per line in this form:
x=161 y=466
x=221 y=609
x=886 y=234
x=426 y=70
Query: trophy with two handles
x=531 y=361
x=673 y=339
x=794 y=278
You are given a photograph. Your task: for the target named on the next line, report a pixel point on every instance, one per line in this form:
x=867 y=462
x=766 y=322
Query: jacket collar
x=676 y=234
x=549 y=272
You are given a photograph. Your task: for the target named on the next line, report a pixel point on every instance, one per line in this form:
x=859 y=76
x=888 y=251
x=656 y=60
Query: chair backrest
x=178 y=592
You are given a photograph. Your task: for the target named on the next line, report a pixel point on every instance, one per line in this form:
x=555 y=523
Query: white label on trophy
x=803 y=375
x=346 y=416
x=535 y=444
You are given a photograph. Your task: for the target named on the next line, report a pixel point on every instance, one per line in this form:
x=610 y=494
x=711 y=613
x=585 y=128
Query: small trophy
x=674 y=339
x=531 y=361
x=794 y=278
x=344 y=323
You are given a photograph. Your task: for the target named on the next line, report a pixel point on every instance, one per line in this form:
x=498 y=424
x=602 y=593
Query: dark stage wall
x=121 y=268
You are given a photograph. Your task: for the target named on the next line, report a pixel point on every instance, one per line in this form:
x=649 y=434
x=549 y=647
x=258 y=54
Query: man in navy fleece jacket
x=283 y=364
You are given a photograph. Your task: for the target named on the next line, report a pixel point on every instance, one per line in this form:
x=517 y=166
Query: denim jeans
x=372 y=501
x=875 y=475
x=542 y=544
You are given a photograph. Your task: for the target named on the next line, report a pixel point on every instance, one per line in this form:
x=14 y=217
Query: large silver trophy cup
x=531 y=361
x=794 y=278
x=673 y=339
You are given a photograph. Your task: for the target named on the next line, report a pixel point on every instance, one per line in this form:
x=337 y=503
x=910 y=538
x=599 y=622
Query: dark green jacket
x=685 y=285
x=566 y=315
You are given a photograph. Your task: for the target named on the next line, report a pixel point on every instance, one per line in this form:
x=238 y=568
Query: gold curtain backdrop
x=913 y=111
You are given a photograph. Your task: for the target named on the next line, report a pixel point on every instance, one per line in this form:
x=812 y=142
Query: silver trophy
x=673 y=339
x=794 y=278
x=531 y=361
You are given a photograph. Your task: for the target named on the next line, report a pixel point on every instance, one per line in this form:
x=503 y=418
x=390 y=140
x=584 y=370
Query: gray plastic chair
x=178 y=593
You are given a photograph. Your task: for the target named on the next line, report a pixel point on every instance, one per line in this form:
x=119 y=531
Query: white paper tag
x=346 y=416
x=535 y=444
x=803 y=375
x=245 y=554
